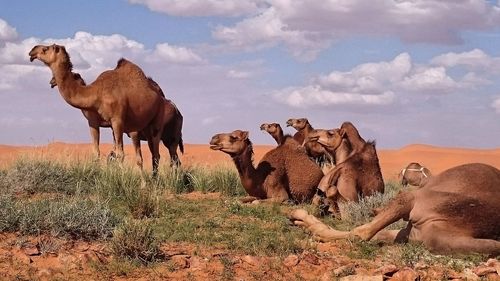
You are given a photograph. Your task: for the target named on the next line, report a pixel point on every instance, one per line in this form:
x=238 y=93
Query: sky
x=402 y=71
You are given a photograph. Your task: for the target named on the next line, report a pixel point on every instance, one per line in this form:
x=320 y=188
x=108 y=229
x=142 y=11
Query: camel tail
x=181 y=146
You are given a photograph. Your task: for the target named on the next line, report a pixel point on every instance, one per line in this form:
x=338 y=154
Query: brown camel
x=313 y=149
x=122 y=96
x=284 y=173
x=414 y=174
x=357 y=175
x=274 y=129
x=172 y=130
x=457 y=211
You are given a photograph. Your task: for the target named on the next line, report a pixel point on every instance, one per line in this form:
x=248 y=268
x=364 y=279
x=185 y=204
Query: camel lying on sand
x=313 y=149
x=457 y=211
x=123 y=97
x=172 y=130
x=355 y=175
x=284 y=173
x=414 y=174
x=275 y=130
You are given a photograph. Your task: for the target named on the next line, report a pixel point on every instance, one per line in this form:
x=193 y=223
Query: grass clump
x=76 y=218
x=135 y=240
x=37 y=176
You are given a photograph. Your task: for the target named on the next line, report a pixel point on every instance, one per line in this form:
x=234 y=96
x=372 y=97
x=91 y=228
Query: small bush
x=76 y=218
x=135 y=240
x=35 y=176
x=9 y=214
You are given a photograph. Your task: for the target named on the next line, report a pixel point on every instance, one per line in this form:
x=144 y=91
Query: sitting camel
x=457 y=211
x=313 y=149
x=122 y=97
x=274 y=129
x=284 y=173
x=356 y=175
x=414 y=174
x=172 y=130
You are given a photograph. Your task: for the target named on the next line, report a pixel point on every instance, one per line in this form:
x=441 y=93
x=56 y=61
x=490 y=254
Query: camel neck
x=342 y=152
x=71 y=89
x=308 y=129
x=355 y=140
x=248 y=174
x=279 y=138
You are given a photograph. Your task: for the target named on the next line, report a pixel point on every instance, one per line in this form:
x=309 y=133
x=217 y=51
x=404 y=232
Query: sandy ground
x=437 y=159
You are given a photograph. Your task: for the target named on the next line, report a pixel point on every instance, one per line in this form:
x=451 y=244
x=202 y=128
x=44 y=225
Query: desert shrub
x=176 y=179
x=75 y=218
x=361 y=212
x=226 y=181
x=135 y=240
x=9 y=214
x=35 y=176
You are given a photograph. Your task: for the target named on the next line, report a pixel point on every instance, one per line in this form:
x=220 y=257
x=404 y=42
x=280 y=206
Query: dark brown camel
x=172 y=129
x=358 y=175
x=284 y=173
x=457 y=211
x=414 y=174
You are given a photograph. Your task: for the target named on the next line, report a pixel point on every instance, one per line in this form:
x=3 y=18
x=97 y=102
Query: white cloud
x=315 y=96
x=173 y=54
x=496 y=105
x=7 y=32
x=202 y=7
x=307 y=27
x=238 y=74
x=474 y=60
x=376 y=84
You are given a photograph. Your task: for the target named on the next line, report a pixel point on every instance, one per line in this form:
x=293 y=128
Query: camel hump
x=122 y=62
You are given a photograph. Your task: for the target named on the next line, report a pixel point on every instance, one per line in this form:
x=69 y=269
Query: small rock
x=310 y=258
x=344 y=270
x=291 y=261
x=362 y=278
x=494 y=263
x=195 y=263
x=405 y=274
x=469 y=275
x=387 y=270
x=250 y=260
x=483 y=270
x=180 y=261
x=31 y=250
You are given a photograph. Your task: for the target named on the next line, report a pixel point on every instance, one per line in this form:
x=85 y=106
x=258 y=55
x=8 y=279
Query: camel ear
x=56 y=48
x=342 y=132
x=244 y=135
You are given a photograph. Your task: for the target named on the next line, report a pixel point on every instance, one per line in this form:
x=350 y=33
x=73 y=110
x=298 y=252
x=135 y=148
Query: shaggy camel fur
x=172 y=130
x=313 y=149
x=455 y=212
x=274 y=129
x=122 y=97
x=414 y=174
x=284 y=173
x=358 y=175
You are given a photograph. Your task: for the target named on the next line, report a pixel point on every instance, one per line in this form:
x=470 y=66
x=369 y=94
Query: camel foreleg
x=95 y=134
x=136 y=141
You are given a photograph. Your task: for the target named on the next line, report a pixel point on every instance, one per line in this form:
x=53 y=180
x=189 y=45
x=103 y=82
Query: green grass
x=134 y=214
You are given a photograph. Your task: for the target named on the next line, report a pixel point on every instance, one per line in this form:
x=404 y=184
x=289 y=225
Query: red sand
x=392 y=161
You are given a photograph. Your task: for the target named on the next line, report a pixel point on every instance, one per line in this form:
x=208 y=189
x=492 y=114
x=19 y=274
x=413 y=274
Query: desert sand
x=437 y=159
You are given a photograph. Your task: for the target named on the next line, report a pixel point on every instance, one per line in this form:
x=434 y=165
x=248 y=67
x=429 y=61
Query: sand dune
x=392 y=161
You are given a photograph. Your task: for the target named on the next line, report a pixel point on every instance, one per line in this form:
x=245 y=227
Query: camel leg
x=398 y=208
x=443 y=241
x=154 y=147
x=136 y=141
x=118 y=139
x=174 y=158
x=94 y=133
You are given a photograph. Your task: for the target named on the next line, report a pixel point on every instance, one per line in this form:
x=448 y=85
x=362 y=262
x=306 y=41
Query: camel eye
x=232 y=138
x=44 y=49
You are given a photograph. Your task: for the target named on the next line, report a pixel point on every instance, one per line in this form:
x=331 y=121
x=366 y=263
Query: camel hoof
x=298 y=214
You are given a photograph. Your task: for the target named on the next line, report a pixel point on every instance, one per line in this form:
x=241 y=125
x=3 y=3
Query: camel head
x=49 y=54
x=271 y=128
x=297 y=124
x=233 y=143
x=330 y=139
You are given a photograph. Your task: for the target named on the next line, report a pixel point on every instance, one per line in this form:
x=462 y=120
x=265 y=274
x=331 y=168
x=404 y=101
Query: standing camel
x=172 y=129
x=122 y=97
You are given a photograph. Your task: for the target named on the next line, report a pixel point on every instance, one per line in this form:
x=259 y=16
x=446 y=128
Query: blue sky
x=403 y=72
